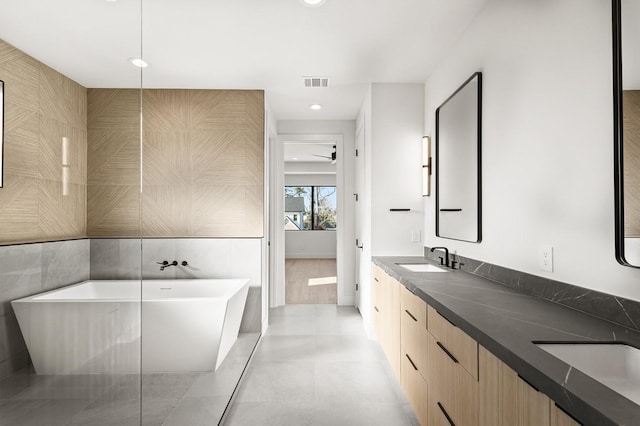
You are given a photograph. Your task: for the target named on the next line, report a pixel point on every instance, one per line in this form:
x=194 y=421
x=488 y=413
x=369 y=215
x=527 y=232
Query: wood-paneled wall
x=202 y=163
x=631 y=124
x=43 y=198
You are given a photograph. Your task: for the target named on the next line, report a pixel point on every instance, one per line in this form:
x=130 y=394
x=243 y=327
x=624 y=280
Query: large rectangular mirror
x=626 y=71
x=458 y=163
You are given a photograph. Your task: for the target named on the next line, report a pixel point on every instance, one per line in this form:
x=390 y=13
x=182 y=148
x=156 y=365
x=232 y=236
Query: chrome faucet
x=444 y=261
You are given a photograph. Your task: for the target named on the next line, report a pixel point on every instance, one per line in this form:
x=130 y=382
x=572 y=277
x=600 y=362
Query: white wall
x=391 y=118
x=346 y=158
x=397 y=114
x=270 y=138
x=309 y=179
x=310 y=244
x=547 y=138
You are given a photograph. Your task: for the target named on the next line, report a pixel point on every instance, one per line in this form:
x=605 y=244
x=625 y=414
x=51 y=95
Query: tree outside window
x=310 y=208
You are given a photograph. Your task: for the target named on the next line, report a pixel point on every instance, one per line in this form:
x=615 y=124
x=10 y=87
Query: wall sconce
x=426 y=166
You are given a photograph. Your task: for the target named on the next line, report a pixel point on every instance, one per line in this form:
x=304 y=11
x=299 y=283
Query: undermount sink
x=615 y=365
x=421 y=267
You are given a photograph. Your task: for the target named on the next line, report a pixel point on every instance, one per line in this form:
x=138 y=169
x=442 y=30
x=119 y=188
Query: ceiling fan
x=332 y=157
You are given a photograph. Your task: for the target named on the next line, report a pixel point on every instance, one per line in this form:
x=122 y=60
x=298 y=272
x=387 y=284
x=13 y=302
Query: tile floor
x=171 y=399
x=315 y=366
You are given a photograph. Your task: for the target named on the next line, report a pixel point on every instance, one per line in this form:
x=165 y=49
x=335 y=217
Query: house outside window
x=310 y=208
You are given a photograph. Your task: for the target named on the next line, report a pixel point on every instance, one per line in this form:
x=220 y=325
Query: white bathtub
x=103 y=327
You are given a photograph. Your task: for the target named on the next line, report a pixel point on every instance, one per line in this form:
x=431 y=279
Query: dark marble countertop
x=506 y=322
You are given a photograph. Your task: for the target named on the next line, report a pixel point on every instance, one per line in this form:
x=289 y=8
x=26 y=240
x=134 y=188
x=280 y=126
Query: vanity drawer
x=377 y=289
x=413 y=329
x=455 y=341
x=413 y=307
x=415 y=388
x=453 y=392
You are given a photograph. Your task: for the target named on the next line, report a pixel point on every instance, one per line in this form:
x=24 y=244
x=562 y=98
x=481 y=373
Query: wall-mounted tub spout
x=166 y=264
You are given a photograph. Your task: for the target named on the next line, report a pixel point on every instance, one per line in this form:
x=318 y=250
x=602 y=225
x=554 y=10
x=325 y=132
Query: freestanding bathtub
x=106 y=326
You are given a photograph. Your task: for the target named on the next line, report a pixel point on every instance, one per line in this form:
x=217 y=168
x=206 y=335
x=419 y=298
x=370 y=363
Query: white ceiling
x=242 y=44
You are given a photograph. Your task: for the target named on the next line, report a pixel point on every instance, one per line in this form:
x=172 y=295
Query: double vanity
x=470 y=351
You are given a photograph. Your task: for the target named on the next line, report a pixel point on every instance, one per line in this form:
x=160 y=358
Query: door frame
x=277 y=234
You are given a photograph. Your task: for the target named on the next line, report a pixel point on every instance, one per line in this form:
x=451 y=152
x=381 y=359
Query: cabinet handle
x=412 y=317
x=446 y=415
x=375 y=279
x=376 y=308
x=411 y=361
x=453 y=358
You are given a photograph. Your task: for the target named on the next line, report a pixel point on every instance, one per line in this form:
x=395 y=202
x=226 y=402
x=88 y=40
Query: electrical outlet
x=546 y=257
x=415 y=236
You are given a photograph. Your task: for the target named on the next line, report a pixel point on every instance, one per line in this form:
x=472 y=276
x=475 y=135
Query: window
x=310 y=208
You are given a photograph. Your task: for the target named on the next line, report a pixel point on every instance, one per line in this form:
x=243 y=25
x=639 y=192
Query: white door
x=359 y=210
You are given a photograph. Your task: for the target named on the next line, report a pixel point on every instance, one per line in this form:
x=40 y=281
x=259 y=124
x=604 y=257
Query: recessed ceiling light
x=138 y=62
x=315 y=107
x=313 y=3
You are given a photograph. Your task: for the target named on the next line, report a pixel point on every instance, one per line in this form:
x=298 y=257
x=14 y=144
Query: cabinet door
x=559 y=417
x=415 y=388
x=533 y=406
x=377 y=298
x=498 y=398
x=457 y=342
x=413 y=329
x=453 y=392
x=506 y=399
x=391 y=318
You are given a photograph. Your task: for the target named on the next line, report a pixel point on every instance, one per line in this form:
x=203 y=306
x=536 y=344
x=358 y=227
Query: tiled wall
x=44 y=193
x=203 y=157
x=206 y=257
x=29 y=269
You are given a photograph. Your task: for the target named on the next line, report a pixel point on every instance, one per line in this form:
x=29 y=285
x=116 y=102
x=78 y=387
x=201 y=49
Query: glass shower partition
x=70 y=226
x=202 y=224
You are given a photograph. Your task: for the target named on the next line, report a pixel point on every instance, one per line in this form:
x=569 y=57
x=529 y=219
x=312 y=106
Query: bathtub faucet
x=166 y=264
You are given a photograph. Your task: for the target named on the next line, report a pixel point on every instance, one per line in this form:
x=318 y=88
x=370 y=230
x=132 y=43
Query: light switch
x=415 y=236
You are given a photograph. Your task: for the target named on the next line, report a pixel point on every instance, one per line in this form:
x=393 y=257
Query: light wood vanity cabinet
x=560 y=418
x=413 y=329
x=413 y=345
x=453 y=390
x=415 y=388
x=448 y=378
x=505 y=399
x=386 y=315
x=454 y=341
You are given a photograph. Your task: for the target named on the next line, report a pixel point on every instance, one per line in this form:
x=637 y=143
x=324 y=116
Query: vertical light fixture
x=426 y=166
x=65 y=166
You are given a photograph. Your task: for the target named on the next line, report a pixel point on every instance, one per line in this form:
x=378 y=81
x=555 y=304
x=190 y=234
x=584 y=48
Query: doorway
x=310 y=221
x=308 y=196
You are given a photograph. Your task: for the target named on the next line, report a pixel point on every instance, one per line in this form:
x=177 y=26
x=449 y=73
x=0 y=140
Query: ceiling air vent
x=316 y=81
